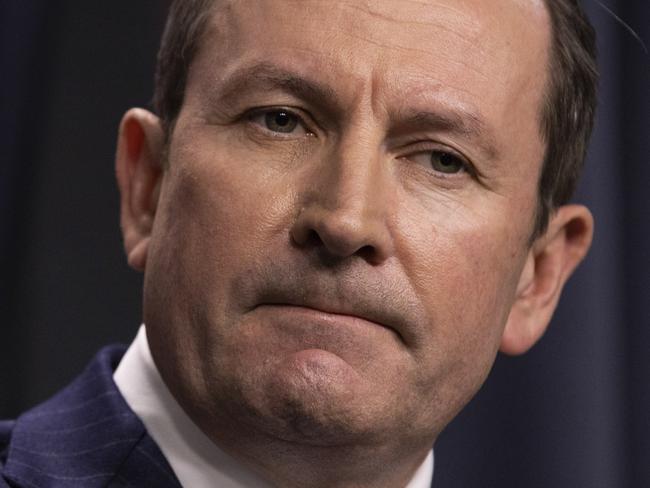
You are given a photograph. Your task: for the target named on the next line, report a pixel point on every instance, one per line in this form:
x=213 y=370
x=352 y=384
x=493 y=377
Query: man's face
x=346 y=211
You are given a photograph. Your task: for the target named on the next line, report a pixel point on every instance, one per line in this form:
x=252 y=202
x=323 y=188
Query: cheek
x=215 y=216
x=221 y=211
x=222 y=202
x=466 y=269
x=467 y=280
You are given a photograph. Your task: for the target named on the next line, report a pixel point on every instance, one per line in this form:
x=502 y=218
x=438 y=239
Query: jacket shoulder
x=84 y=431
x=86 y=435
x=6 y=428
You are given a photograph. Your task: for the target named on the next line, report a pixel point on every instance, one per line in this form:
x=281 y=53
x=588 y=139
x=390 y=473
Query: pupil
x=282 y=119
x=447 y=160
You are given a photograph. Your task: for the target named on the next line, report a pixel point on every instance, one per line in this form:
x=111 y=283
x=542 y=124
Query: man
x=342 y=210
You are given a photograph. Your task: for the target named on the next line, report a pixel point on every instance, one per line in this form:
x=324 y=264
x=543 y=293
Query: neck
x=292 y=463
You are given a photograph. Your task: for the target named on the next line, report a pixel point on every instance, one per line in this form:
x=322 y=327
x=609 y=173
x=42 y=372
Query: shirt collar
x=195 y=459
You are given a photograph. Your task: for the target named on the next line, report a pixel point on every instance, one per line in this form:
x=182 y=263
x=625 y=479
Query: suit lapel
x=86 y=436
x=145 y=466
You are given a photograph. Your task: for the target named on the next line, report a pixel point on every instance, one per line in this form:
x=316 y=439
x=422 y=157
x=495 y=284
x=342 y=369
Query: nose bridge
x=353 y=179
x=345 y=209
x=353 y=170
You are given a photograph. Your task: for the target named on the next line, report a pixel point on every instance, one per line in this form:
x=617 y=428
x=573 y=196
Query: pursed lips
x=384 y=299
x=342 y=310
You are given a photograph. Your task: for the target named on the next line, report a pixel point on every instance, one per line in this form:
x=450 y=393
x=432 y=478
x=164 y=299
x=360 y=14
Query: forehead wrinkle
x=471 y=24
x=266 y=75
x=413 y=49
x=469 y=34
x=466 y=32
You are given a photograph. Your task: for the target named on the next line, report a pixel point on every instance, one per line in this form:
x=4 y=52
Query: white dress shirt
x=195 y=459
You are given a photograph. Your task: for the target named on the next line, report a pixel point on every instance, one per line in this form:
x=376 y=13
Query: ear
x=551 y=260
x=139 y=169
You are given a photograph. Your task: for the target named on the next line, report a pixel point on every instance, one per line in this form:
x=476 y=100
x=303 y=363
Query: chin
x=311 y=396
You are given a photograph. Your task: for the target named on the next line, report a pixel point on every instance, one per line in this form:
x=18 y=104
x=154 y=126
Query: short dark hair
x=566 y=118
x=186 y=23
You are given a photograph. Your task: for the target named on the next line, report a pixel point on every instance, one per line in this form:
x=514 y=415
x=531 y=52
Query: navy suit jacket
x=85 y=436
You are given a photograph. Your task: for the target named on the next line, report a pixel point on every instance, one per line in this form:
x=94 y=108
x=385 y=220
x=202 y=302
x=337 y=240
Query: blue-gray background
x=574 y=412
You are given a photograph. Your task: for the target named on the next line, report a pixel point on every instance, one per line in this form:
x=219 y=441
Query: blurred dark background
x=574 y=412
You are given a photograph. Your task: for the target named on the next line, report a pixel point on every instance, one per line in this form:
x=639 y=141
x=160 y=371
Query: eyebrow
x=268 y=77
x=457 y=121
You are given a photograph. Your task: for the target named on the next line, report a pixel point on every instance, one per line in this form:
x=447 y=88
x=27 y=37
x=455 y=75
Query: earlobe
x=139 y=171
x=549 y=264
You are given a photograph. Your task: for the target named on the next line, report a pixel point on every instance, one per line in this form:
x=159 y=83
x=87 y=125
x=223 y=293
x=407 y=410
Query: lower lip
x=326 y=318
x=313 y=336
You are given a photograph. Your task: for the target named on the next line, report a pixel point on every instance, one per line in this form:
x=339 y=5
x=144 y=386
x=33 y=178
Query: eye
x=279 y=121
x=443 y=162
x=446 y=162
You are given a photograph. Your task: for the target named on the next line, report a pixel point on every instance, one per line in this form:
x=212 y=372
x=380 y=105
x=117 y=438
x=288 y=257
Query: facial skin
x=336 y=242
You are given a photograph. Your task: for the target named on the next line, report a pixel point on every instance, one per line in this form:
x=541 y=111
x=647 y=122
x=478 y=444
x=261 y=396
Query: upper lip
x=335 y=310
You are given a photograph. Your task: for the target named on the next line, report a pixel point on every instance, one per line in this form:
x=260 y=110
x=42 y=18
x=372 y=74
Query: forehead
x=382 y=28
x=496 y=41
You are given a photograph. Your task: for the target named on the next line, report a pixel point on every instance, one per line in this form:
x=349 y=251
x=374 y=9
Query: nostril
x=368 y=253
x=306 y=238
x=313 y=238
x=330 y=258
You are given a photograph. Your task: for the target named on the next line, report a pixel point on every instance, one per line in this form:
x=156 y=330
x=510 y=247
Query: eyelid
x=427 y=147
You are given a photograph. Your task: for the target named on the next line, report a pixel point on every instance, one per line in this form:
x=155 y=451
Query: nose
x=344 y=210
